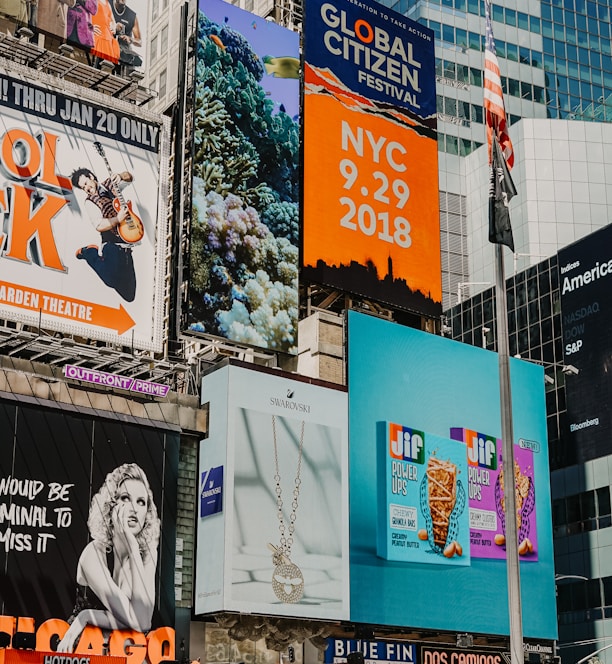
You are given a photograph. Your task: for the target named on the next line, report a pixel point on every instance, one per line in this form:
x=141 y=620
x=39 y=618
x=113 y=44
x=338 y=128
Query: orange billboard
x=371 y=215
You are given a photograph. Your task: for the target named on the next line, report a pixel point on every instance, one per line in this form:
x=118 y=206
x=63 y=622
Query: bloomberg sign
x=585 y=280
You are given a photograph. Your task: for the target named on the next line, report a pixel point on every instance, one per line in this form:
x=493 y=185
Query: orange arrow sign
x=81 y=311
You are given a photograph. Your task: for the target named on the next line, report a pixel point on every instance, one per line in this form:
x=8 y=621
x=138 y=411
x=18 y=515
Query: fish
x=283 y=67
x=217 y=41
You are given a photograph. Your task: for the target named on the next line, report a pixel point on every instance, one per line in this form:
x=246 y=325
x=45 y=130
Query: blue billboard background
x=373 y=51
x=402 y=375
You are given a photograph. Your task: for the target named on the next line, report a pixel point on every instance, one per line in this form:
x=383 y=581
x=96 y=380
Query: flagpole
x=505 y=395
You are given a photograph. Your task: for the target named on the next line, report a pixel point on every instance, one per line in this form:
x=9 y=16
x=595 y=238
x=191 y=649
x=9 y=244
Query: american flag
x=494 y=96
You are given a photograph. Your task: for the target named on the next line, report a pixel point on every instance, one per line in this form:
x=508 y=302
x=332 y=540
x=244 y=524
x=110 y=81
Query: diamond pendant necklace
x=287 y=578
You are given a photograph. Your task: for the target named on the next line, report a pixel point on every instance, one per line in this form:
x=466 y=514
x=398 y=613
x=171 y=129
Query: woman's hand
x=68 y=642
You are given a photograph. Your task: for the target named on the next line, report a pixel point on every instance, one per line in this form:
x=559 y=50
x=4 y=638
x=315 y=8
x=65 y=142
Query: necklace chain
x=286 y=532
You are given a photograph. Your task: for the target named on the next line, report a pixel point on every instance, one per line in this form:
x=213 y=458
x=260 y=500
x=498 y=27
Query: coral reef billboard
x=245 y=223
x=371 y=210
x=272 y=531
x=87 y=533
x=83 y=208
x=427 y=489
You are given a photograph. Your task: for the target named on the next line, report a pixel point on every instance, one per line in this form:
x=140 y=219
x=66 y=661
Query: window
x=161 y=88
x=163 y=39
x=153 y=50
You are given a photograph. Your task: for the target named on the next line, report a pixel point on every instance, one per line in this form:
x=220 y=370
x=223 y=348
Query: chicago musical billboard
x=87 y=533
x=585 y=273
x=371 y=209
x=272 y=535
x=82 y=243
x=245 y=225
x=427 y=486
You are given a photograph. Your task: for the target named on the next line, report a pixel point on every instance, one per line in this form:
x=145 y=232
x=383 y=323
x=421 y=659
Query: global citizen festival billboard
x=82 y=202
x=585 y=279
x=87 y=524
x=371 y=209
x=427 y=489
x=243 y=281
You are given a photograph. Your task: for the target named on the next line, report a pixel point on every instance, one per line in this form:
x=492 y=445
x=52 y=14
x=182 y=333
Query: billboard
x=87 y=533
x=111 y=30
x=414 y=400
x=585 y=275
x=371 y=209
x=82 y=203
x=245 y=222
x=272 y=534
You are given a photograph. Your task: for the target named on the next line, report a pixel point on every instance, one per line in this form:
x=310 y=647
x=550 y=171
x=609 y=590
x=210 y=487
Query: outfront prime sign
x=82 y=247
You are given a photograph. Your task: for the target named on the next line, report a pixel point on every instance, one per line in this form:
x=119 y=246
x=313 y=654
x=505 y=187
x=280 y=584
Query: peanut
x=499 y=539
x=422 y=534
x=529 y=545
x=449 y=552
x=458 y=549
x=523 y=548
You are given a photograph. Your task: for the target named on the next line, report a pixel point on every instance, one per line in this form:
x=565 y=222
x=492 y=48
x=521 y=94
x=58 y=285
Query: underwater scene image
x=245 y=216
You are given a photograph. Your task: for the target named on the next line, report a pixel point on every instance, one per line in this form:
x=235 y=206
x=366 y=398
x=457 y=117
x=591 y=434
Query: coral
x=283 y=219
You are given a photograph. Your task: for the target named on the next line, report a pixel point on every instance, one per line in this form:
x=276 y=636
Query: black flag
x=501 y=190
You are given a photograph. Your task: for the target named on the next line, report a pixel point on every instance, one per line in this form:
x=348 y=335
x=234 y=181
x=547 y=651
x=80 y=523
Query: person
x=128 y=34
x=116 y=571
x=106 y=46
x=115 y=265
x=79 y=25
x=51 y=16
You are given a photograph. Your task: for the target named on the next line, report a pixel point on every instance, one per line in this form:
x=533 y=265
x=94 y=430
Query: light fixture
x=570 y=370
x=465 y=640
x=66 y=50
x=549 y=379
x=24 y=34
x=136 y=76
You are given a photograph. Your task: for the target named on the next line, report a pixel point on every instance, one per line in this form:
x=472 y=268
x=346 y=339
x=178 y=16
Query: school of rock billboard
x=427 y=487
x=83 y=214
x=272 y=534
x=112 y=30
x=371 y=209
x=87 y=533
x=585 y=273
x=245 y=223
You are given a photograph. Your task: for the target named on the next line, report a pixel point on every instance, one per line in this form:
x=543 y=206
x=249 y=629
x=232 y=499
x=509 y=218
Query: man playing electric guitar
x=114 y=263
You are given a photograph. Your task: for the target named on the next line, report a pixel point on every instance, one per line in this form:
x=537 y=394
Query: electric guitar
x=131 y=229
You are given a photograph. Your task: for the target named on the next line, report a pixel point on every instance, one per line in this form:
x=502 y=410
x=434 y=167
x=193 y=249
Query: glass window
x=448 y=33
x=569 y=18
x=560 y=49
x=449 y=69
x=549 y=63
x=463 y=73
x=595 y=59
x=572 y=69
x=559 y=31
x=526 y=91
x=463 y=109
x=513 y=87
x=510 y=17
x=451 y=145
x=572 y=53
x=163 y=42
x=538 y=94
x=524 y=55
x=586 y=92
x=546 y=11
x=438 y=67
x=474 y=40
x=583 y=57
x=153 y=50
x=581 y=22
x=473 y=7
x=593 y=26
x=523 y=21
x=536 y=59
x=562 y=83
x=477 y=114
x=461 y=38
x=500 y=48
x=591 y=9
x=498 y=13
x=154 y=9
x=570 y=36
x=535 y=24
x=435 y=26
x=475 y=76
x=561 y=67
x=568 y=4
x=439 y=104
x=465 y=147
x=558 y=15
x=512 y=52
x=450 y=106
x=447 y=3
x=603 y=501
x=547 y=29
x=460 y=5
x=162 y=84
